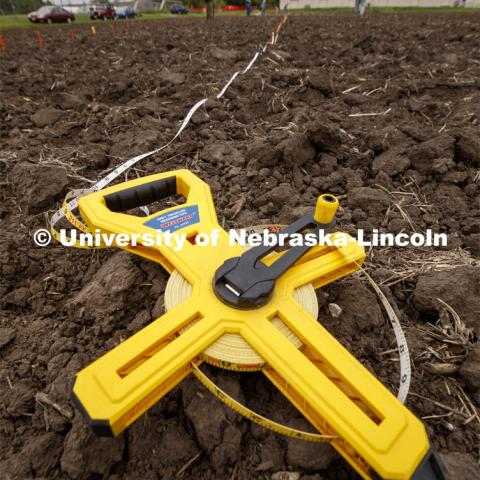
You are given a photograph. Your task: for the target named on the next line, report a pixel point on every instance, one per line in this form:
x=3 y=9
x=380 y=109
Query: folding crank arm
x=247 y=282
x=121 y=385
x=341 y=397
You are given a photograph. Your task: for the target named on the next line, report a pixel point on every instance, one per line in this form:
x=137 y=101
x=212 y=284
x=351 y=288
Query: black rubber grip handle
x=142 y=195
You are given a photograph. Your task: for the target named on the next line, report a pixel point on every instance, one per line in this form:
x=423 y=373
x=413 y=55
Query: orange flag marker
x=39 y=39
x=3 y=43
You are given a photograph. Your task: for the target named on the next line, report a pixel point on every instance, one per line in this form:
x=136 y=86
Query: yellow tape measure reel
x=244 y=309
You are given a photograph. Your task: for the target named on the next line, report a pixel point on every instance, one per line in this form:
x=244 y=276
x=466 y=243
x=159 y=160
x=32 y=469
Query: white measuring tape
x=72 y=204
x=402 y=346
x=74 y=196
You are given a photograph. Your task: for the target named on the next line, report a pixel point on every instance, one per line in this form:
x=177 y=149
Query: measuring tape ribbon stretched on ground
x=255 y=417
x=70 y=205
x=72 y=202
x=402 y=346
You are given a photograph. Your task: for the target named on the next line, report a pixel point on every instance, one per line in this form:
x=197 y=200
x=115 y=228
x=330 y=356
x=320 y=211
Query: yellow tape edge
x=78 y=225
x=255 y=417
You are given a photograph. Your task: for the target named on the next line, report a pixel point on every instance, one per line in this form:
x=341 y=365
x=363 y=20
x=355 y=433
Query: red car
x=102 y=12
x=51 y=14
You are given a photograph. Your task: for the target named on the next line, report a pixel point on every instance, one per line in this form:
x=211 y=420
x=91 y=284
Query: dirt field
x=284 y=133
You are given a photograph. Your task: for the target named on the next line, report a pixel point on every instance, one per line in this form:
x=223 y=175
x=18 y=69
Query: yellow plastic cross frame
x=375 y=433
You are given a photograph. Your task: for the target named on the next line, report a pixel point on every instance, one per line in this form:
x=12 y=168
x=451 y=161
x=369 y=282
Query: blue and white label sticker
x=175 y=219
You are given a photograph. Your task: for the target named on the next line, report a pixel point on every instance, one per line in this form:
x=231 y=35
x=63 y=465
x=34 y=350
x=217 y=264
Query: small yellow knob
x=326 y=208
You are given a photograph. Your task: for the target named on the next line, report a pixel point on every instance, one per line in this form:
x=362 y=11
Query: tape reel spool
x=231 y=351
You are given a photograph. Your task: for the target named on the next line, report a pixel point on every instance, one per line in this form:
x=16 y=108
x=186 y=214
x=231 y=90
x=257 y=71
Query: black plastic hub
x=245 y=282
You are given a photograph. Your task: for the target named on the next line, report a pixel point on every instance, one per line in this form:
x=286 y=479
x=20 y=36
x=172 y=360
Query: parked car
x=102 y=12
x=126 y=12
x=179 y=9
x=51 y=14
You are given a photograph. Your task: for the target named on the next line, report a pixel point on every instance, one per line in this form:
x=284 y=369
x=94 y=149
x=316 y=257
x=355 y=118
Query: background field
x=8 y=22
x=383 y=112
